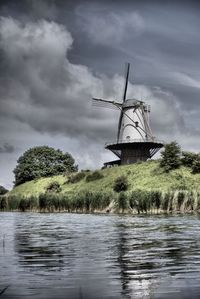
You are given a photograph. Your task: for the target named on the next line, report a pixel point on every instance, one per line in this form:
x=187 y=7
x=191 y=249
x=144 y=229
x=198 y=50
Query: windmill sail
x=126 y=81
x=124 y=99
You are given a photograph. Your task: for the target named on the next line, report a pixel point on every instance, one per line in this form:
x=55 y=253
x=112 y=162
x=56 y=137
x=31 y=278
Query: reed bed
x=135 y=202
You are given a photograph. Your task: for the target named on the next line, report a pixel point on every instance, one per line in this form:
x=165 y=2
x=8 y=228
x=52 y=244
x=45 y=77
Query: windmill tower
x=135 y=141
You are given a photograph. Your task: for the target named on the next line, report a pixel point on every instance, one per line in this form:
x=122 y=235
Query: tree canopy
x=42 y=161
x=171 y=156
x=188 y=158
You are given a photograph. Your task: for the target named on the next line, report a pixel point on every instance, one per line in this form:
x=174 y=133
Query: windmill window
x=128 y=137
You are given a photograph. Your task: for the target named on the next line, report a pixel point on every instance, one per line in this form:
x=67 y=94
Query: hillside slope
x=146 y=176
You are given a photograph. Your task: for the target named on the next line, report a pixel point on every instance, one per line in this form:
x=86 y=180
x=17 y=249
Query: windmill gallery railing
x=134 y=141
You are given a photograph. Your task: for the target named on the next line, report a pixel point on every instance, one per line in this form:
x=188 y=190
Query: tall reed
x=137 y=201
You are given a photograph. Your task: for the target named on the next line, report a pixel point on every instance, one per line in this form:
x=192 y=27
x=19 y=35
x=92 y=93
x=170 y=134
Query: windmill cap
x=132 y=103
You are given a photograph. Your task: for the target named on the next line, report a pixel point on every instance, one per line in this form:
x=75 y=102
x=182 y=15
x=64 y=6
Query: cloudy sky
x=56 y=55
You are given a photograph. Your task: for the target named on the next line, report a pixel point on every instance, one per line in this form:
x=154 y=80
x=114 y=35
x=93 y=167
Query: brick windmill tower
x=135 y=141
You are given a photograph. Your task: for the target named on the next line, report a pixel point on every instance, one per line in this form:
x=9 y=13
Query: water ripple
x=99 y=256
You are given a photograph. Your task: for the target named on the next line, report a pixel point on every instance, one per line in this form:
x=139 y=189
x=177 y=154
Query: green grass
x=144 y=180
x=146 y=176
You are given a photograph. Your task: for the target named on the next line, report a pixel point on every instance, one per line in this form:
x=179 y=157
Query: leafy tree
x=42 y=161
x=188 y=158
x=3 y=190
x=171 y=156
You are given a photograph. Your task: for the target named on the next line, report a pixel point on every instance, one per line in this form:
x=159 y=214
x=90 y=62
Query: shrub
x=188 y=158
x=3 y=203
x=196 y=165
x=105 y=199
x=50 y=201
x=75 y=178
x=189 y=202
x=42 y=201
x=96 y=175
x=23 y=205
x=53 y=187
x=133 y=200
x=96 y=198
x=198 y=201
x=180 y=182
x=3 y=190
x=155 y=198
x=171 y=157
x=78 y=202
x=140 y=200
x=64 y=203
x=120 y=184
x=122 y=202
x=167 y=201
x=33 y=202
x=13 y=202
x=90 y=201
x=180 y=199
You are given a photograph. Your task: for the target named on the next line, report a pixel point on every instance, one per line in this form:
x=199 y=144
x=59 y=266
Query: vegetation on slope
x=150 y=189
x=170 y=184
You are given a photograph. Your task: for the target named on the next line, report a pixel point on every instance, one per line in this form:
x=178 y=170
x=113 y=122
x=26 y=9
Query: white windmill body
x=135 y=141
x=135 y=121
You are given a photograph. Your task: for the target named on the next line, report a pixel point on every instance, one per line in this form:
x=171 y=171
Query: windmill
x=135 y=141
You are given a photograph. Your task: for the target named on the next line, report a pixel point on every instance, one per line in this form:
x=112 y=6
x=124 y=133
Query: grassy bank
x=150 y=190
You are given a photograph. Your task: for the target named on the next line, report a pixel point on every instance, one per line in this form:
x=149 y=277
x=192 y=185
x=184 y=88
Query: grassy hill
x=149 y=188
x=146 y=176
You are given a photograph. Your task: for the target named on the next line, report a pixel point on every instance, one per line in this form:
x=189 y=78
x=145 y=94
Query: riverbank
x=149 y=190
x=135 y=202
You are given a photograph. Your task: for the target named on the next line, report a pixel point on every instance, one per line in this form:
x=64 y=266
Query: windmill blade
x=105 y=103
x=126 y=81
x=124 y=99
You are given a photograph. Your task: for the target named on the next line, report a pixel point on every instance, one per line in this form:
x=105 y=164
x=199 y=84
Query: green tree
x=3 y=190
x=171 y=156
x=42 y=161
x=188 y=158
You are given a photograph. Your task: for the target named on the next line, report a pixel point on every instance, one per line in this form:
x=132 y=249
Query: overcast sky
x=56 y=55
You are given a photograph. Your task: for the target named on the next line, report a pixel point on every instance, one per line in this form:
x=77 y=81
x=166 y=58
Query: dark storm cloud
x=56 y=55
x=48 y=92
x=7 y=148
x=44 y=89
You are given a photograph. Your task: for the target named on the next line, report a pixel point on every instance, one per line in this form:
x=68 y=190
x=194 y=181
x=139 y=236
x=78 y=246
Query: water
x=99 y=256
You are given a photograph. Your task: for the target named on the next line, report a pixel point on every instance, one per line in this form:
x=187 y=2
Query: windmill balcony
x=123 y=141
x=133 y=150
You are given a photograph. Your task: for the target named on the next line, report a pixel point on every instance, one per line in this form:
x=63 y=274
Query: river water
x=99 y=256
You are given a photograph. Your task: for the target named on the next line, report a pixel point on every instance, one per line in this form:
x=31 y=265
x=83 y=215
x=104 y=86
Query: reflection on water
x=99 y=256
x=38 y=249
